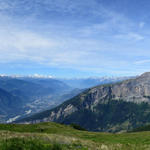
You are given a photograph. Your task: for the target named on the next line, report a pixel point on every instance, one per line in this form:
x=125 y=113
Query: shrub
x=78 y=127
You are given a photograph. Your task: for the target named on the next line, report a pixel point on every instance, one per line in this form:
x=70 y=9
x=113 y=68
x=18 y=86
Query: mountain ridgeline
x=111 y=107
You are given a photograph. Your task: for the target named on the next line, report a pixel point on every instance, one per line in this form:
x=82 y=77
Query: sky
x=75 y=38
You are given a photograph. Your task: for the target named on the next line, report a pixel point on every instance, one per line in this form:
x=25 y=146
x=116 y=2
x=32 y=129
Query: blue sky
x=74 y=38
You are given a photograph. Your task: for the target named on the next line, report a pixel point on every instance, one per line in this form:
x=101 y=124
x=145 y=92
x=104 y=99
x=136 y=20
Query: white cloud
x=141 y=62
x=74 y=43
x=23 y=40
x=130 y=36
x=28 y=45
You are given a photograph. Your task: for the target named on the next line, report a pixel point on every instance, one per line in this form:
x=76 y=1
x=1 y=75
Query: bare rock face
x=69 y=109
x=135 y=90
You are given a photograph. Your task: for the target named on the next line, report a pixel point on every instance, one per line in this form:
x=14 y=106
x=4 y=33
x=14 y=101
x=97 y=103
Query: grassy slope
x=56 y=136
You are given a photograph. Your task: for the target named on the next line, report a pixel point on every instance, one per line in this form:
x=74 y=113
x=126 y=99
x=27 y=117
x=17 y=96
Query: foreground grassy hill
x=52 y=136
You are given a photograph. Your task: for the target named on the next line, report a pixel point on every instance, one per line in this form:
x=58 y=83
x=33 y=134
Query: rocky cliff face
x=96 y=103
x=134 y=90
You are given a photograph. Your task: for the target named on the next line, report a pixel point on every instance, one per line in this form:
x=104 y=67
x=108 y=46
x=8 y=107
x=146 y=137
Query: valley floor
x=52 y=136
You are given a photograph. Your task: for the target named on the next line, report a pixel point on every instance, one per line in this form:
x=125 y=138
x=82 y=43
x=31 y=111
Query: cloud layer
x=77 y=35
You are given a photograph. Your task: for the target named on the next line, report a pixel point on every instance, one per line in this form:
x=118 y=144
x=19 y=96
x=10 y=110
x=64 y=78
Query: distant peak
x=41 y=76
x=27 y=76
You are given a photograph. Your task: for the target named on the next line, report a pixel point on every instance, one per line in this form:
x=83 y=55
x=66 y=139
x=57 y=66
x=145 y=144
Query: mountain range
x=111 y=107
x=92 y=81
x=22 y=96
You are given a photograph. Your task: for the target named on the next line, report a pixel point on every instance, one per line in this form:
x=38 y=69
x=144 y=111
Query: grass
x=53 y=136
x=33 y=144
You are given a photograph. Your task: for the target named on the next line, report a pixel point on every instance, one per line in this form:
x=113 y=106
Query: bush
x=78 y=127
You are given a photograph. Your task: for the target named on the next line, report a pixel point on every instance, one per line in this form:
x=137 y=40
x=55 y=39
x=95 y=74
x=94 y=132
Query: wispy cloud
x=23 y=40
x=130 y=36
x=83 y=35
x=141 y=62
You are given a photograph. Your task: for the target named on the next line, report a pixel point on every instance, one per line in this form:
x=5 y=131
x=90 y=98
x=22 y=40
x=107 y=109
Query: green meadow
x=53 y=136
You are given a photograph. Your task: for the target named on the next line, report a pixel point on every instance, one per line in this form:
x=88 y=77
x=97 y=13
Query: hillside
x=9 y=103
x=20 y=97
x=111 y=107
x=142 y=128
x=45 y=136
